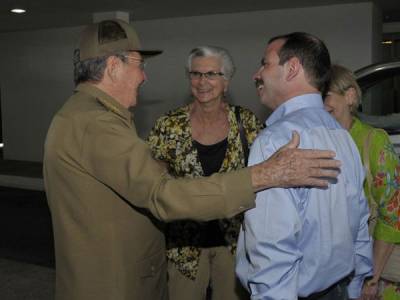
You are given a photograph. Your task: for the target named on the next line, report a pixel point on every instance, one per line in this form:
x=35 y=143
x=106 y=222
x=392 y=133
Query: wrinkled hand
x=292 y=167
x=370 y=292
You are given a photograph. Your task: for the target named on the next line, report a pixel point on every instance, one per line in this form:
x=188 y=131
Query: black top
x=211 y=158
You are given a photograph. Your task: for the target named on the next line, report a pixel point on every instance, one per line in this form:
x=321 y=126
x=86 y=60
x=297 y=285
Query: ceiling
x=60 y=13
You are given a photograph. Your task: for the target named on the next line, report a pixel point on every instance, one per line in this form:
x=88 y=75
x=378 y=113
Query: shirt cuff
x=354 y=287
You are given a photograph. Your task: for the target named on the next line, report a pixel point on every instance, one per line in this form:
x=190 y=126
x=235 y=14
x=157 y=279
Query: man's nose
x=256 y=75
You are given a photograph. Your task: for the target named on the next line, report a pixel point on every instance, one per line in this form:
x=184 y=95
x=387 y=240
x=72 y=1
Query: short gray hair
x=228 y=67
x=92 y=69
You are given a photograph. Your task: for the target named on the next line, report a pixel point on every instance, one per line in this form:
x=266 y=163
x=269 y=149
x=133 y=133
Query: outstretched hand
x=292 y=167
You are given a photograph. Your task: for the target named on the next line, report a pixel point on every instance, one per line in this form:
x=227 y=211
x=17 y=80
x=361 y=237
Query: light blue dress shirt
x=299 y=241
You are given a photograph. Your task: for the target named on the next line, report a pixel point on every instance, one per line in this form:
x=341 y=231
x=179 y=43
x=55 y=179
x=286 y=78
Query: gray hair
x=228 y=67
x=92 y=69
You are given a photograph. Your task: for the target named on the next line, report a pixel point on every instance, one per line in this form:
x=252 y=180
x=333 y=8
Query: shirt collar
x=109 y=102
x=293 y=104
x=356 y=127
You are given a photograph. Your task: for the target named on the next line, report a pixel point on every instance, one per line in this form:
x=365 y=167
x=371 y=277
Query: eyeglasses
x=195 y=75
x=142 y=62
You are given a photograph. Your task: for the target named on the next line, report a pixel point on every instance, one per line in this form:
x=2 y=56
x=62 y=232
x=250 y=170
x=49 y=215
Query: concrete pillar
x=107 y=15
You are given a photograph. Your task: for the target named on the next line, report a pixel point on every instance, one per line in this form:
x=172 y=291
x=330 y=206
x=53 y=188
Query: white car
x=380 y=84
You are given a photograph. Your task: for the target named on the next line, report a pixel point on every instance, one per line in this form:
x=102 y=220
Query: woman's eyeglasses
x=195 y=75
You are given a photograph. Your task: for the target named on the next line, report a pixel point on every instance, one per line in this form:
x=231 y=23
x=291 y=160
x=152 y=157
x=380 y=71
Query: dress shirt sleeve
x=268 y=240
x=114 y=154
x=363 y=252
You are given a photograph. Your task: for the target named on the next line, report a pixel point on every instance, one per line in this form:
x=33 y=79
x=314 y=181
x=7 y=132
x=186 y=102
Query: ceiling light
x=387 y=42
x=18 y=10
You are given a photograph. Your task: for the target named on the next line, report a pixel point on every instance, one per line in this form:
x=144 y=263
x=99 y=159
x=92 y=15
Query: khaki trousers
x=217 y=269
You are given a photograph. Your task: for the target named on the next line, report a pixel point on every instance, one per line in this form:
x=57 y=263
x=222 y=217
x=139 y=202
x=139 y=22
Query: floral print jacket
x=171 y=141
x=385 y=170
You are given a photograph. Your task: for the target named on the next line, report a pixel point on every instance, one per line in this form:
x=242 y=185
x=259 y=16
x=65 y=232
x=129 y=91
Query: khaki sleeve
x=118 y=158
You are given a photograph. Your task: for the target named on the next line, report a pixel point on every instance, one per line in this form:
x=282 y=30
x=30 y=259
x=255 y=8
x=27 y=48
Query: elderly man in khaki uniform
x=106 y=193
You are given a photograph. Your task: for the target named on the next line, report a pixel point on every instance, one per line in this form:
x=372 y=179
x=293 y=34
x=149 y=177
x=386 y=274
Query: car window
x=380 y=105
x=382 y=97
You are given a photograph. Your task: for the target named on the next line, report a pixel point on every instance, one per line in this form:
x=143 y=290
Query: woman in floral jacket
x=195 y=140
x=383 y=190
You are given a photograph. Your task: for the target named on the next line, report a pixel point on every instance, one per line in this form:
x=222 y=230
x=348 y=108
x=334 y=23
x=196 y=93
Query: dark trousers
x=337 y=291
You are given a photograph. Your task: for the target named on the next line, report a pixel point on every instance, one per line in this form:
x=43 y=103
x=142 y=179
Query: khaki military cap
x=109 y=37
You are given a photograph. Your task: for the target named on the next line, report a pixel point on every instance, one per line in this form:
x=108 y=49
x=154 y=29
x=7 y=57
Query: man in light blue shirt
x=304 y=243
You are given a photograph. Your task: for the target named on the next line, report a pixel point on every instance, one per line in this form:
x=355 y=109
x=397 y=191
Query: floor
x=23 y=281
x=26 y=244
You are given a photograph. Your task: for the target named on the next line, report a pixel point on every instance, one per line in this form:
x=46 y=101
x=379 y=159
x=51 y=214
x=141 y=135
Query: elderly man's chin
x=134 y=101
x=136 y=94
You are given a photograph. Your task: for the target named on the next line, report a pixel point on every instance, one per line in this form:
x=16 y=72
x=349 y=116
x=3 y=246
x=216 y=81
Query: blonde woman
x=383 y=165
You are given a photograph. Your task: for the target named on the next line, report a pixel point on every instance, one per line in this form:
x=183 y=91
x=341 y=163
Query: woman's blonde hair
x=343 y=79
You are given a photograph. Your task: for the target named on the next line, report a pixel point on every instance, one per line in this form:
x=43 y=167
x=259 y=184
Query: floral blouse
x=385 y=170
x=171 y=141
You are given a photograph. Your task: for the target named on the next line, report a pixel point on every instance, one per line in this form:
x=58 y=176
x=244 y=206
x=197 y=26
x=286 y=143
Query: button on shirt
x=299 y=241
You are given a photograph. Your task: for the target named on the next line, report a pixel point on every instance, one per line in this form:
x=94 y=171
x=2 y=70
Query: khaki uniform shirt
x=106 y=195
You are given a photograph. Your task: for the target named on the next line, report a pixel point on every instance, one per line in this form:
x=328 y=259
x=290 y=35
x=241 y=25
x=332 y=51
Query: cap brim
x=149 y=53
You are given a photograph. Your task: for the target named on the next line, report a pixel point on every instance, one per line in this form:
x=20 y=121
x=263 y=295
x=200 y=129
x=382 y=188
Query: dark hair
x=92 y=69
x=312 y=54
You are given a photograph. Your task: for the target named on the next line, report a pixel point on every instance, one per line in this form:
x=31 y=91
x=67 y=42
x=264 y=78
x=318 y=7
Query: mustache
x=258 y=82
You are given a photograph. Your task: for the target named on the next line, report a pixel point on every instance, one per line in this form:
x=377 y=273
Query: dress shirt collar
x=293 y=104
x=109 y=102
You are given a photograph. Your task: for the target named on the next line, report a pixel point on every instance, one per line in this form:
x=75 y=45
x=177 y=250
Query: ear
x=112 y=65
x=226 y=84
x=293 y=68
x=350 y=96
